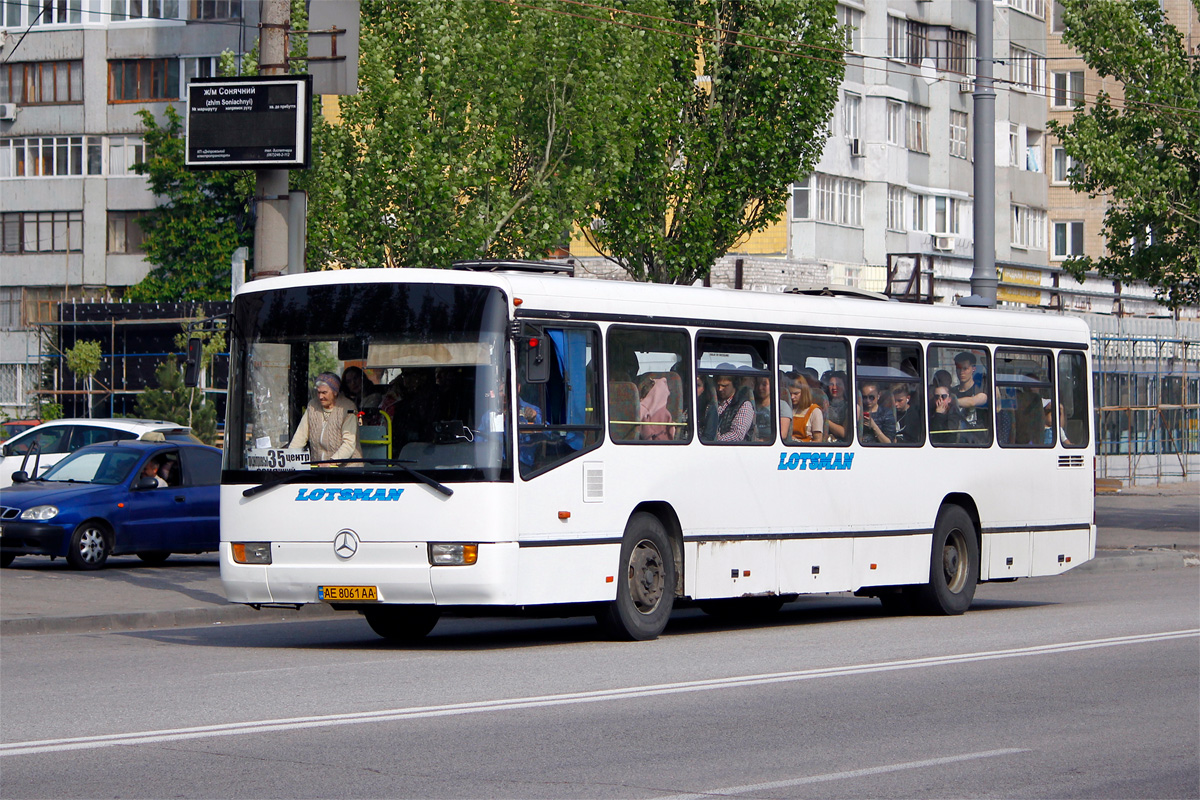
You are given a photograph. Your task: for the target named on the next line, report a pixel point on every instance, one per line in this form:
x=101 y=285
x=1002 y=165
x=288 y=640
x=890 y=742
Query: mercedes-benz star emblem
x=345 y=544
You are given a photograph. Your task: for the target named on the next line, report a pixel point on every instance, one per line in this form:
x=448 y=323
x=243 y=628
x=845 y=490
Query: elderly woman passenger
x=329 y=427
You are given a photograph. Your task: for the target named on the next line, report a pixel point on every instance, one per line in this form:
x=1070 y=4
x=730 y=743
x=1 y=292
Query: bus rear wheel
x=953 y=565
x=645 y=582
x=402 y=624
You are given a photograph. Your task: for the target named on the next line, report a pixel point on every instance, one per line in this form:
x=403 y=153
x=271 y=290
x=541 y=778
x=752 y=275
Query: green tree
x=720 y=148
x=479 y=130
x=174 y=402
x=84 y=359
x=1142 y=152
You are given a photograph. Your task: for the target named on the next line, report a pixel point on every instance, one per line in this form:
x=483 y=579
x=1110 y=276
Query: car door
x=198 y=525
x=152 y=515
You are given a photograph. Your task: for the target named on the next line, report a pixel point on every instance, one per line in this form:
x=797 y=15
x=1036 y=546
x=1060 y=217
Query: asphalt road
x=1083 y=685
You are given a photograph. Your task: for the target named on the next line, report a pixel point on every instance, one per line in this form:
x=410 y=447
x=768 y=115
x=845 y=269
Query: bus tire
x=402 y=624
x=645 y=582
x=953 y=565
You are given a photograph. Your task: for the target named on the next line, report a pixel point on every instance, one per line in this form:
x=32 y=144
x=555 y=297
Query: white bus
x=538 y=443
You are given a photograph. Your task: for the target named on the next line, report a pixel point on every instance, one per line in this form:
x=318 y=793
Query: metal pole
x=271 y=185
x=983 y=275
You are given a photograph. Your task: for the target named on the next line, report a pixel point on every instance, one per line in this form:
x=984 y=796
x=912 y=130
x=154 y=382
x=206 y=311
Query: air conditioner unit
x=856 y=148
x=943 y=243
x=966 y=86
x=8 y=111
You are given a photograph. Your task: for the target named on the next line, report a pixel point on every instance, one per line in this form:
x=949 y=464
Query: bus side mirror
x=191 y=372
x=537 y=361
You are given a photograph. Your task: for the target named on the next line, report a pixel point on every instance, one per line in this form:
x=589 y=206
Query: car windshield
x=424 y=367
x=108 y=467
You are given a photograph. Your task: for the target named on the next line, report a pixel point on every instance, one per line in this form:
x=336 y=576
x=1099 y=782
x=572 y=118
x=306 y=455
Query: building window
x=42 y=232
x=49 y=156
x=1063 y=164
x=800 y=192
x=916 y=36
x=946 y=211
x=1014 y=144
x=144 y=9
x=1026 y=69
x=959 y=53
x=1033 y=150
x=42 y=83
x=895 y=208
x=918 y=127
x=199 y=67
x=839 y=200
x=1068 y=239
x=851 y=20
x=143 y=79
x=919 y=218
x=216 y=9
x=851 y=106
x=1057 y=24
x=958 y=134
x=896 y=38
x=123 y=153
x=1028 y=228
x=895 y=123
x=1034 y=8
x=125 y=231
x=45 y=12
x=1067 y=89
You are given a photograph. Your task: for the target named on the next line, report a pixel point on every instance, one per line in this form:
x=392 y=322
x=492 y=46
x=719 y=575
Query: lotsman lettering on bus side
x=804 y=461
x=349 y=494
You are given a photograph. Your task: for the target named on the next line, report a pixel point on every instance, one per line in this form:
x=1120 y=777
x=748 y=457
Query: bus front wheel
x=953 y=565
x=645 y=582
x=402 y=624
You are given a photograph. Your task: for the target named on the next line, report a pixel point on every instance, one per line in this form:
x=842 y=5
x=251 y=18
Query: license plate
x=347 y=594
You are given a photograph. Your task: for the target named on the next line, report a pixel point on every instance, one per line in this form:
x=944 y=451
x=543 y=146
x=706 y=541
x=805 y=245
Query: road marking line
x=837 y=776
x=456 y=709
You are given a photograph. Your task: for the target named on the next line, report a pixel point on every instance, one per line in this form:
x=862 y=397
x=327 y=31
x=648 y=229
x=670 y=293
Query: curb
x=153 y=620
x=237 y=614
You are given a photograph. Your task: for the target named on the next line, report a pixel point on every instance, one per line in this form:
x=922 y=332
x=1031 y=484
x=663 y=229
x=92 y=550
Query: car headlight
x=452 y=554
x=40 y=513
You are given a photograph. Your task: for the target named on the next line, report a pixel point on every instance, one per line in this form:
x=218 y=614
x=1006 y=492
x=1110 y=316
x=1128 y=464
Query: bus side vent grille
x=1069 y=462
x=593 y=482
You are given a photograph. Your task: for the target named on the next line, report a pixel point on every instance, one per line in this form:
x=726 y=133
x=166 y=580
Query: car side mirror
x=145 y=482
x=20 y=476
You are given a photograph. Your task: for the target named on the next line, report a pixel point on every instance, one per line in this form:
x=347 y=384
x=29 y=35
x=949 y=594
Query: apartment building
x=73 y=75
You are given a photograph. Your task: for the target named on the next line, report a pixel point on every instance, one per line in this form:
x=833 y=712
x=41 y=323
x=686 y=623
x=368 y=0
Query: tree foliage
x=1143 y=152
x=203 y=217
x=173 y=402
x=84 y=358
x=480 y=130
x=717 y=152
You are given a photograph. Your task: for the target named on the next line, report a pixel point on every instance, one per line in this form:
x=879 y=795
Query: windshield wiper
x=292 y=477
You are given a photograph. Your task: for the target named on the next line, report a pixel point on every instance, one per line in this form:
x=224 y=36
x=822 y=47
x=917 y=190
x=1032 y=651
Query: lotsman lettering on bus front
x=349 y=494
x=825 y=460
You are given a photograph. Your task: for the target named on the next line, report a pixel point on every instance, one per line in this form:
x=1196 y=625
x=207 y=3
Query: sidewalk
x=41 y=596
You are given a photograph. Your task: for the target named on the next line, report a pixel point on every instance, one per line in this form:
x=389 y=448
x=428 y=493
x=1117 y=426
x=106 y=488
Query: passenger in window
x=764 y=418
x=1062 y=421
x=1030 y=422
x=653 y=409
x=878 y=424
x=151 y=471
x=808 y=420
x=944 y=420
x=836 y=384
x=785 y=407
x=164 y=472
x=908 y=417
x=329 y=427
x=735 y=411
x=357 y=387
x=969 y=395
x=706 y=409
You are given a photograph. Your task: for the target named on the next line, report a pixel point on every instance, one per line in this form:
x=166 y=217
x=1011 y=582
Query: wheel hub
x=647 y=577
x=91 y=546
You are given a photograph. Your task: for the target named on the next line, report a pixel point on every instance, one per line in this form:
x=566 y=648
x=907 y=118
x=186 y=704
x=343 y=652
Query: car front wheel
x=89 y=546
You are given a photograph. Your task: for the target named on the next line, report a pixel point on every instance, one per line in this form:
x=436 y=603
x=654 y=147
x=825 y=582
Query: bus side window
x=1025 y=395
x=888 y=394
x=1072 y=400
x=815 y=373
x=557 y=419
x=648 y=385
x=960 y=397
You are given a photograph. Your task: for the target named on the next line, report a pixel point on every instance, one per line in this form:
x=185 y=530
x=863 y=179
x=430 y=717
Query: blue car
x=151 y=498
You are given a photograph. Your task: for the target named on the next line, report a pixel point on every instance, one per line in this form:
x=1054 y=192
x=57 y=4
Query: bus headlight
x=251 y=552
x=443 y=554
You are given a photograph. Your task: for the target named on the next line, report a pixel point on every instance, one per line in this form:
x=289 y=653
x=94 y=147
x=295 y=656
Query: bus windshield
x=420 y=382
